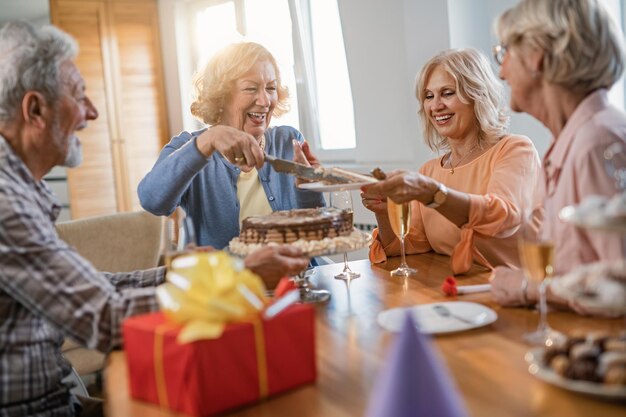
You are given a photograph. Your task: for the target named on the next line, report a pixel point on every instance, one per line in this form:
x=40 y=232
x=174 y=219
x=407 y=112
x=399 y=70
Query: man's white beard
x=74 y=153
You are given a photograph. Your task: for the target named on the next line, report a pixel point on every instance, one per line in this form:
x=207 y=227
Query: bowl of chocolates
x=593 y=363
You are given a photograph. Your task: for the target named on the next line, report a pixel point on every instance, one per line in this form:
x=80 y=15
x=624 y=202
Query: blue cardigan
x=206 y=188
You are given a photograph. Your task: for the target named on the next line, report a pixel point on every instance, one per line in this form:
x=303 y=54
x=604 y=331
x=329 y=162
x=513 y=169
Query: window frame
x=306 y=84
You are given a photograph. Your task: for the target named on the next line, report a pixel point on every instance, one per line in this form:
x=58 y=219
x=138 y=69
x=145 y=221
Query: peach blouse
x=497 y=182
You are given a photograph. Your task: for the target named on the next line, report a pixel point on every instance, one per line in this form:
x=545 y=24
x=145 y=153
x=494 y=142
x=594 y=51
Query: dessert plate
x=462 y=316
x=323 y=187
x=534 y=358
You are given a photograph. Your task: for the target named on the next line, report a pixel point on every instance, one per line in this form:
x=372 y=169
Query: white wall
x=386 y=42
x=471 y=26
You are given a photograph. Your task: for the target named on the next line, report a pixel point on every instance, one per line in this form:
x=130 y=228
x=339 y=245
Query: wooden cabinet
x=120 y=59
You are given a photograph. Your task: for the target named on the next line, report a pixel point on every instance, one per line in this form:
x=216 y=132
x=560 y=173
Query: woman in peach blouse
x=466 y=203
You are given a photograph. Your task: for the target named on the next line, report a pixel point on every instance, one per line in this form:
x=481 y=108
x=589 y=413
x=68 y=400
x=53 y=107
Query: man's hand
x=272 y=263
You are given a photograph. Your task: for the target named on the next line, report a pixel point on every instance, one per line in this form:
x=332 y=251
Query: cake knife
x=328 y=175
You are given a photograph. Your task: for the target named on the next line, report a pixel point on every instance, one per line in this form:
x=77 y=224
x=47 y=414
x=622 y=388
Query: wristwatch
x=439 y=197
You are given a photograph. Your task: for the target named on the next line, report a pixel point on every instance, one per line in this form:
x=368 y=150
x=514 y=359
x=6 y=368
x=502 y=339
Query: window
x=310 y=55
x=616 y=94
x=334 y=96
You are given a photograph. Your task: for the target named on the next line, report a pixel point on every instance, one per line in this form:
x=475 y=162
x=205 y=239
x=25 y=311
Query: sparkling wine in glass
x=400 y=219
x=537 y=257
x=342 y=200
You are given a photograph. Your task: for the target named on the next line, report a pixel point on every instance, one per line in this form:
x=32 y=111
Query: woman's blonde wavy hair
x=583 y=48
x=476 y=84
x=214 y=82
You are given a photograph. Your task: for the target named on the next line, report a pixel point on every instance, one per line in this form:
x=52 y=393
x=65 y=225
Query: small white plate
x=534 y=358
x=322 y=187
x=428 y=321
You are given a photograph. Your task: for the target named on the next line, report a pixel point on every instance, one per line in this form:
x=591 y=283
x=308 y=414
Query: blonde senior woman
x=466 y=203
x=217 y=174
x=559 y=58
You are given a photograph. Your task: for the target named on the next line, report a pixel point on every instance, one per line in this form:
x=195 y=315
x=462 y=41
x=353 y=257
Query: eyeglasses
x=498 y=53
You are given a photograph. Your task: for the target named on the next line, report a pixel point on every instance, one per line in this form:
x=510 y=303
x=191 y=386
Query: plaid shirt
x=48 y=292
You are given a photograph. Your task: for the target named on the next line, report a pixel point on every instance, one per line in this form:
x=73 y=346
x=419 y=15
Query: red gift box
x=248 y=362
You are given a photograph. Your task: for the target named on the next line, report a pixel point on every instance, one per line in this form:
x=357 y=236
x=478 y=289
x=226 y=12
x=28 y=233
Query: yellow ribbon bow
x=207 y=290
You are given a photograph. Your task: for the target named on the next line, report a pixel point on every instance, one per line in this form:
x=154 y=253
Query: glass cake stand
x=325 y=247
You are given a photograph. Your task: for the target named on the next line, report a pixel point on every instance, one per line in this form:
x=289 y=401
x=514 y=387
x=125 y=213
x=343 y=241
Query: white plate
x=323 y=187
x=534 y=358
x=428 y=321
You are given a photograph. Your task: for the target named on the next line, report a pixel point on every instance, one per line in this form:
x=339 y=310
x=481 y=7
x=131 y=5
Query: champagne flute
x=342 y=200
x=178 y=237
x=400 y=219
x=537 y=257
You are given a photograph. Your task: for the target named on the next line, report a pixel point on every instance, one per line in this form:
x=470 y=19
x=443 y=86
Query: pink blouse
x=575 y=168
x=497 y=182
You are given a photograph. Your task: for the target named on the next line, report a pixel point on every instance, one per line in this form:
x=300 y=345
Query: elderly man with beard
x=47 y=290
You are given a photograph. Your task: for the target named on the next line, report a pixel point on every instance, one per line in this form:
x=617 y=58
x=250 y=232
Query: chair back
x=120 y=242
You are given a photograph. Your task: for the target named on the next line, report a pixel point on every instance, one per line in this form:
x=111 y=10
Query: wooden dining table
x=486 y=364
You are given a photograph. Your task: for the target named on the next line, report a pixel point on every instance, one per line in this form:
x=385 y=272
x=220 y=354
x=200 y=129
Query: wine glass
x=400 y=219
x=342 y=200
x=537 y=257
x=178 y=237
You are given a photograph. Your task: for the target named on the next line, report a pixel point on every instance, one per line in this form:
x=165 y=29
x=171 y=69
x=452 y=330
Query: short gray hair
x=30 y=60
x=583 y=48
x=476 y=84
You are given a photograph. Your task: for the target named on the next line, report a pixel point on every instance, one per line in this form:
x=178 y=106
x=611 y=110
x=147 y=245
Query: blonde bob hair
x=214 y=82
x=583 y=48
x=476 y=84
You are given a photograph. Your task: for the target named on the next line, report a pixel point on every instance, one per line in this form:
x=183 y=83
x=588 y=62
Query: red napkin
x=449 y=286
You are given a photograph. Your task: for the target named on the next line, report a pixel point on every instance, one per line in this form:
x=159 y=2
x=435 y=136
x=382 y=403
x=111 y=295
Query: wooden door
x=92 y=185
x=120 y=59
x=139 y=89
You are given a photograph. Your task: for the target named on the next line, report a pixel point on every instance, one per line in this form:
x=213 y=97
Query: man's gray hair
x=30 y=60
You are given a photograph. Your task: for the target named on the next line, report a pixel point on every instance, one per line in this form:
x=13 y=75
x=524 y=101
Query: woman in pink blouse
x=466 y=203
x=560 y=57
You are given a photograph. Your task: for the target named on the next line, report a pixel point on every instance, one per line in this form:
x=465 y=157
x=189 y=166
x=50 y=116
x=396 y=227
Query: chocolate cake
x=298 y=224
